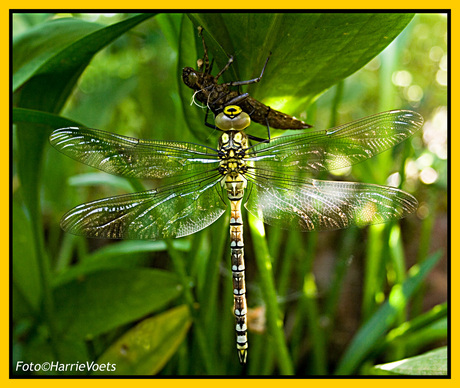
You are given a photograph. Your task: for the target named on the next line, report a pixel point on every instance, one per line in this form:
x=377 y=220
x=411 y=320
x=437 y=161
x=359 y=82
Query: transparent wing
x=310 y=204
x=130 y=157
x=337 y=147
x=171 y=211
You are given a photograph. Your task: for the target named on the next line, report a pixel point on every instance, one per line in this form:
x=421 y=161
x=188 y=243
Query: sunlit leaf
x=146 y=348
x=432 y=363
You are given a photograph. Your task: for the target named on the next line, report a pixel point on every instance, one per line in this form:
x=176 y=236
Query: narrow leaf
x=376 y=327
x=21 y=115
x=111 y=256
x=62 y=44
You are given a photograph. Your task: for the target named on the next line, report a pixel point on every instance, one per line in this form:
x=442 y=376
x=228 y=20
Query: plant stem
x=275 y=323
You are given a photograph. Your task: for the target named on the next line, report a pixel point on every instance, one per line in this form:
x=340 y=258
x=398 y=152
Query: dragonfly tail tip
x=242 y=355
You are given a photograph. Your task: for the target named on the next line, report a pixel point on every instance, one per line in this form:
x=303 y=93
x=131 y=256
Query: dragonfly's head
x=190 y=77
x=232 y=118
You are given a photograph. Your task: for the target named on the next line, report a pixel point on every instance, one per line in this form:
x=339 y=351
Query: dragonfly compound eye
x=232 y=118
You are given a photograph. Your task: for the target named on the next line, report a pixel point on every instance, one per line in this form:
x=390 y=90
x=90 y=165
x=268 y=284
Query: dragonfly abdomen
x=239 y=284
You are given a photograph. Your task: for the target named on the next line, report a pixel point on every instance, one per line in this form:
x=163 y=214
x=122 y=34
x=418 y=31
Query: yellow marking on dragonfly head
x=232 y=118
x=232 y=111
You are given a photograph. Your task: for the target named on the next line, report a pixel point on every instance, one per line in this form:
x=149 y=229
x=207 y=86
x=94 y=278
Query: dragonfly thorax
x=232 y=152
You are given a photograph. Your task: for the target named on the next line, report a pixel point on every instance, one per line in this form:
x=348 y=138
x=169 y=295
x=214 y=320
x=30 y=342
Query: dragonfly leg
x=209 y=124
x=258 y=139
x=230 y=61
x=267 y=123
x=251 y=81
x=205 y=60
x=238 y=99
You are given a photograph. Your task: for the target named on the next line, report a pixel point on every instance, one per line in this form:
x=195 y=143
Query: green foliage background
x=330 y=303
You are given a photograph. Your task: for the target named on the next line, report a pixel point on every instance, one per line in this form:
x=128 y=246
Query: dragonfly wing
x=131 y=157
x=168 y=212
x=315 y=205
x=337 y=147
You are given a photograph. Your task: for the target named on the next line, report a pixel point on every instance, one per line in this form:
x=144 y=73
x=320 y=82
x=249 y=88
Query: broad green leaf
x=310 y=52
x=103 y=300
x=433 y=363
x=169 y=26
x=146 y=348
x=382 y=320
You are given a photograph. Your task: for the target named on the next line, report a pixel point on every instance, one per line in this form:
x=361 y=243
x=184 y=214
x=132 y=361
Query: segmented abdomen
x=239 y=284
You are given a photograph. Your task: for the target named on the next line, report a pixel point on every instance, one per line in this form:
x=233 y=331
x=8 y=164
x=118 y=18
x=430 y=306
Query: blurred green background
x=332 y=303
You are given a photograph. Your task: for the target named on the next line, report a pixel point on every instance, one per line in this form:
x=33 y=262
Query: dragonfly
x=217 y=96
x=275 y=181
